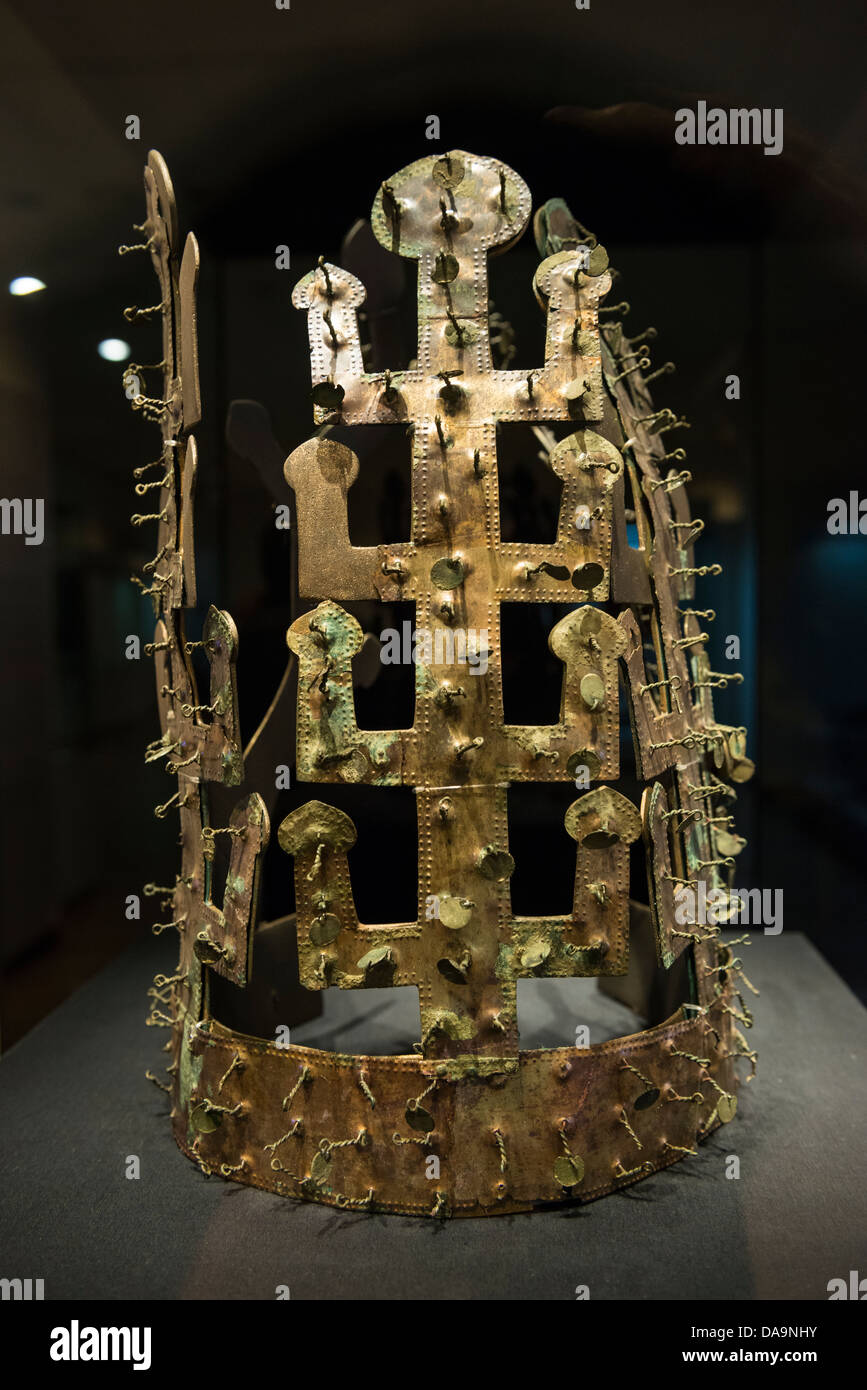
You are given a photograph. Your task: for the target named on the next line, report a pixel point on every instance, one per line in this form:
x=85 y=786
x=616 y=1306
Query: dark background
x=278 y=127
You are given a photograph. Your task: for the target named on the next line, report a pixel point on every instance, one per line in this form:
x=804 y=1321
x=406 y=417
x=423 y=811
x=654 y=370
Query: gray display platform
x=74 y=1104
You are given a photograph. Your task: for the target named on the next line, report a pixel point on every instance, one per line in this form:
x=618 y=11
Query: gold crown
x=468 y=1123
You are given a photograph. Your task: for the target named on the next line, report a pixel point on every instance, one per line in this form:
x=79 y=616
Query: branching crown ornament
x=506 y=1128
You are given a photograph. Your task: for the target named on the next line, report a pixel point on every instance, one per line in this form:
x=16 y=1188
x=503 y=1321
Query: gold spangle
x=536 y=951
x=327 y=395
x=497 y=865
x=320 y=1168
x=325 y=929
x=575 y=389
x=568 y=1170
x=597 y=261
x=204 y=1119
x=448 y=573
x=449 y=171
x=742 y=769
x=646 y=1099
x=588 y=576
x=602 y=817
x=454 y=913
x=451 y=393
x=378 y=958
x=592 y=689
x=417 y=1117
x=209 y=951
x=316 y=824
x=728 y=844
x=446 y=268
x=454 y=971
x=584 y=757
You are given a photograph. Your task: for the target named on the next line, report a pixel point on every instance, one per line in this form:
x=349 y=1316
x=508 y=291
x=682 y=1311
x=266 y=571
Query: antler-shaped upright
x=448 y=213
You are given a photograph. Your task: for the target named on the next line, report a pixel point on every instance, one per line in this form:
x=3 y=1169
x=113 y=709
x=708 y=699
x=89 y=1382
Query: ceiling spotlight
x=25 y=284
x=114 y=349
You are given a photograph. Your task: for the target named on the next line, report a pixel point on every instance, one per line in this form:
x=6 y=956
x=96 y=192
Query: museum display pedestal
x=74 y=1105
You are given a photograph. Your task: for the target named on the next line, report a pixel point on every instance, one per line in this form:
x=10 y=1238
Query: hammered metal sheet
x=470 y=1123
